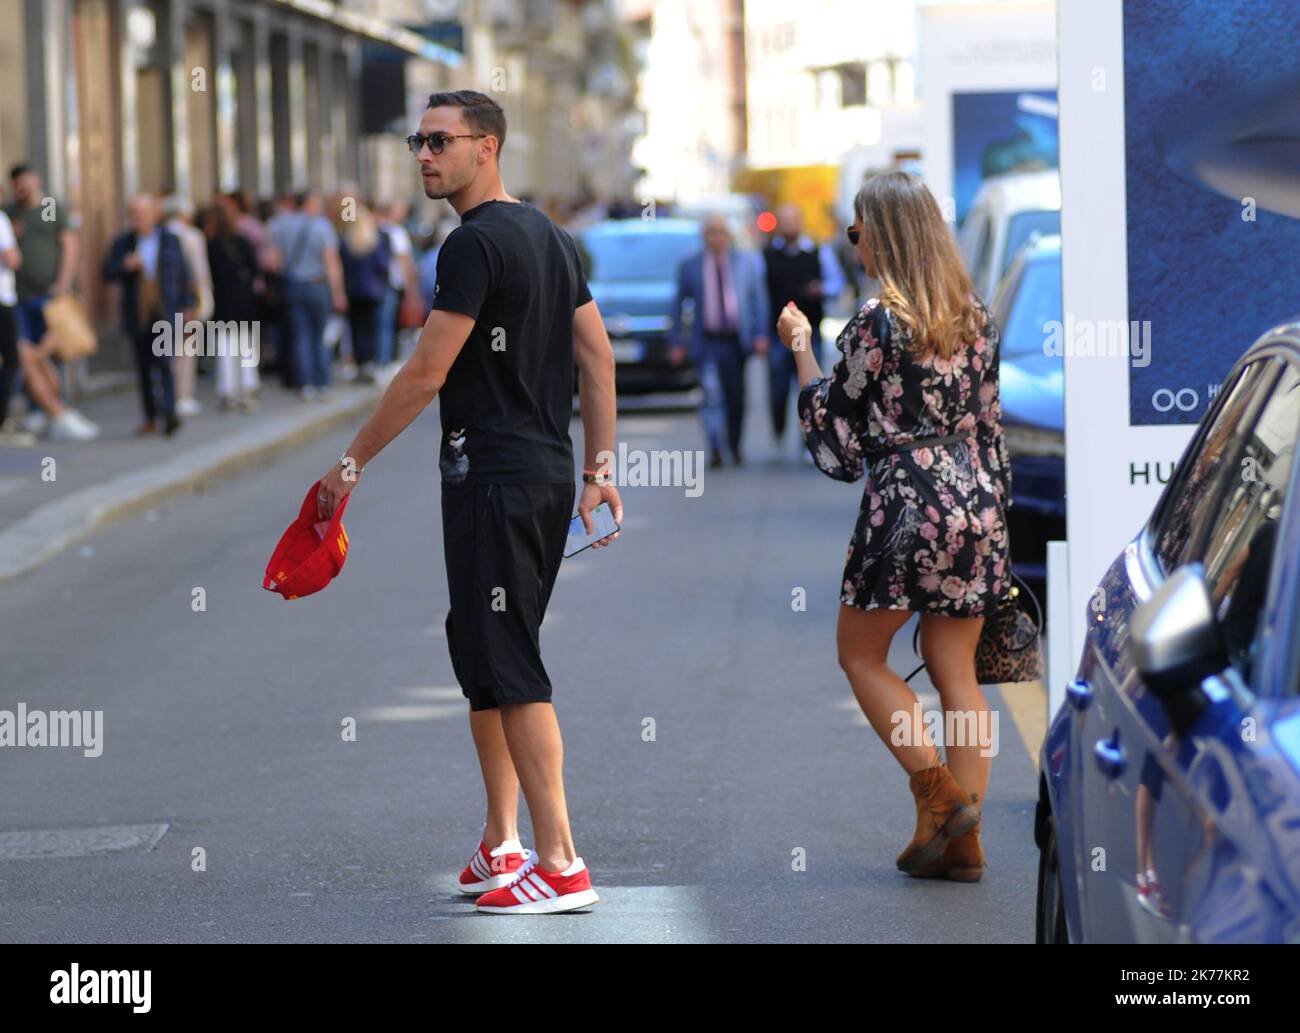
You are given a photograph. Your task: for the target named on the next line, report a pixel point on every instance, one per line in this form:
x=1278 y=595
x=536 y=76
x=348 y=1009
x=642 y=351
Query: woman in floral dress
x=913 y=404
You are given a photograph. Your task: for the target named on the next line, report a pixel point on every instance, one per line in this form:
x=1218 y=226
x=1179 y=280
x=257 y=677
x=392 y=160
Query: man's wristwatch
x=596 y=477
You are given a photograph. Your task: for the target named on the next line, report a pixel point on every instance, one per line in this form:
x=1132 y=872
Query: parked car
x=1032 y=392
x=1169 y=789
x=1006 y=212
x=633 y=278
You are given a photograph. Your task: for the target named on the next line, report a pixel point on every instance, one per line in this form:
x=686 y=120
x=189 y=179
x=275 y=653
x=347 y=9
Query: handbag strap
x=1038 y=608
x=295 y=252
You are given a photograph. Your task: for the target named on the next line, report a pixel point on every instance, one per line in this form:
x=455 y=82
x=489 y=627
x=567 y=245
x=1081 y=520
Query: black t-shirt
x=508 y=397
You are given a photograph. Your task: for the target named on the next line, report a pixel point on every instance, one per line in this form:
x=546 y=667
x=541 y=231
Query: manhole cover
x=35 y=844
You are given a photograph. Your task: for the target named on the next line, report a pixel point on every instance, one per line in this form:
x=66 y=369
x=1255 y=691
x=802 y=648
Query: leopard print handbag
x=1009 y=647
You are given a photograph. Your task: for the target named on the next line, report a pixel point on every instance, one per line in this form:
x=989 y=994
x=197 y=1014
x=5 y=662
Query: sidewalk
x=98 y=482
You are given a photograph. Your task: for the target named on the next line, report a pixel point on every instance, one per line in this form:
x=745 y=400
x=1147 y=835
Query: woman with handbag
x=913 y=402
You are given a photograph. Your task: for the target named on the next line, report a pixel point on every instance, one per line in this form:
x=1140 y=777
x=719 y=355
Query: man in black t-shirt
x=511 y=316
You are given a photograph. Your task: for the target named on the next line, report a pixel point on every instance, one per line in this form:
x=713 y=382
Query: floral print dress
x=931 y=534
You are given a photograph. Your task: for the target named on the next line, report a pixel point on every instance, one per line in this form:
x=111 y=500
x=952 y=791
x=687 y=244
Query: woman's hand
x=793 y=328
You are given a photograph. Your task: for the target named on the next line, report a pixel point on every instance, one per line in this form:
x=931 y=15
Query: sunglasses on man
x=436 y=141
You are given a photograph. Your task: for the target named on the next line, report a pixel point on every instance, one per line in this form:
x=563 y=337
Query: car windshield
x=1037 y=302
x=638 y=256
x=1024 y=225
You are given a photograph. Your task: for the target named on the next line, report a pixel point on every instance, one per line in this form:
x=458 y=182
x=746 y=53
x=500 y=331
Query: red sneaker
x=535 y=891
x=492 y=869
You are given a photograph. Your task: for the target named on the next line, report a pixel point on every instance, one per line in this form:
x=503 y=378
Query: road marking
x=624 y=914
x=433 y=692
x=413 y=712
x=1027 y=702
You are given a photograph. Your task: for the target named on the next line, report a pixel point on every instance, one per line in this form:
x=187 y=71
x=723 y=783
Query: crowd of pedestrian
x=733 y=296
x=303 y=288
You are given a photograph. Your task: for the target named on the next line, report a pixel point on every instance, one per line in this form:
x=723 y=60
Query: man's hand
x=592 y=496
x=677 y=354
x=340 y=301
x=335 y=486
x=762 y=345
x=131 y=263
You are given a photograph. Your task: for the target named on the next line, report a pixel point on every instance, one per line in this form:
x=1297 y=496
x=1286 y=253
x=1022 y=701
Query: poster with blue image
x=999 y=132
x=1212 y=144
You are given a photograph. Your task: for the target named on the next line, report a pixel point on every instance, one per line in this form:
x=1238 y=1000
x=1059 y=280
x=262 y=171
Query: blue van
x=1169 y=785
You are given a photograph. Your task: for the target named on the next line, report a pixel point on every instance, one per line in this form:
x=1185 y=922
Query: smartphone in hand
x=602 y=526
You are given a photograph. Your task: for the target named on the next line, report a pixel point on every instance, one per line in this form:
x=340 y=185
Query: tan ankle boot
x=943 y=810
x=962 y=861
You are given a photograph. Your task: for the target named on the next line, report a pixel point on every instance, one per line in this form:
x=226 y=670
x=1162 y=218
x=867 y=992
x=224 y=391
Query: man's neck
x=475 y=194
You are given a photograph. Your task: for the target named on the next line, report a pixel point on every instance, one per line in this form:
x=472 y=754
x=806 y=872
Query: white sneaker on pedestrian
x=188 y=407
x=34 y=422
x=307 y=393
x=70 y=425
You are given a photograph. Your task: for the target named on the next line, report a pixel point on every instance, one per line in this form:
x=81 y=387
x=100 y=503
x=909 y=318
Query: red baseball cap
x=311 y=552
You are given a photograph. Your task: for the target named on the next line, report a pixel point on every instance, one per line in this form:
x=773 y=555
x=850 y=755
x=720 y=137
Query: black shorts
x=503 y=545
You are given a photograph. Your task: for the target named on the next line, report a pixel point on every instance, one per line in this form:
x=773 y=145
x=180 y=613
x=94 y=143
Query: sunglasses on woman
x=853 y=233
x=436 y=141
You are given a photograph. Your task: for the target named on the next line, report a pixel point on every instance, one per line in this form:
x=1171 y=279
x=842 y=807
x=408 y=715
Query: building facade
x=111 y=97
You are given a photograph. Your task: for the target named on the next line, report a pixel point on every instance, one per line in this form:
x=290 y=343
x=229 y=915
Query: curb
x=50 y=528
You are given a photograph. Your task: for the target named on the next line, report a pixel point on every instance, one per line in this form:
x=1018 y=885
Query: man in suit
x=725 y=290
x=148 y=262
x=799 y=271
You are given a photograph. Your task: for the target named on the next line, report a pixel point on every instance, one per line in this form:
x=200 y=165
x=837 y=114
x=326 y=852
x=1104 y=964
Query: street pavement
x=226 y=724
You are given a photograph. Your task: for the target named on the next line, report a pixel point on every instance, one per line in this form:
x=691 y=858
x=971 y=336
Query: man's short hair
x=21 y=169
x=480 y=112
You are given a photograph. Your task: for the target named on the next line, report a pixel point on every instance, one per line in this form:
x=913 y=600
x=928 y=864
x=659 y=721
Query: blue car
x=1169 y=787
x=633 y=277
x=1032 y=392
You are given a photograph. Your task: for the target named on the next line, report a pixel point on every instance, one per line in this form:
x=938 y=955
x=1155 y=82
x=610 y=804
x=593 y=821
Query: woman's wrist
x=807 y=367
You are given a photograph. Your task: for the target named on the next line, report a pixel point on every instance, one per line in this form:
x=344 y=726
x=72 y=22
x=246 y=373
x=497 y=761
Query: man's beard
x=439 y=189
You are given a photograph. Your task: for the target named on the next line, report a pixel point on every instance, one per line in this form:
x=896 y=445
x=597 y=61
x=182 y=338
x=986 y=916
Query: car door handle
x=1079 y=693
x=1111 y=758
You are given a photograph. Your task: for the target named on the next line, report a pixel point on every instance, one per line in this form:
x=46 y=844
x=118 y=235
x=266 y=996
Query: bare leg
x=499 y=778
x=41 y=378
x=948 y=649
x=537 y=750
x=863 y=638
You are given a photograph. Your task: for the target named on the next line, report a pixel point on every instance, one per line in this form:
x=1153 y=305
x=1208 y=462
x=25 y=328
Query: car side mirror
x=1175 y=644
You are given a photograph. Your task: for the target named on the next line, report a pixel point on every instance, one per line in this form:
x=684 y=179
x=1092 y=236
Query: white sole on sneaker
x=474 y=889
x=555 y=905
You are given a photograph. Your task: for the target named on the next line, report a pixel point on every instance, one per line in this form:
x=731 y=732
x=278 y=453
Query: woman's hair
x=362 y=233
x=922 y=278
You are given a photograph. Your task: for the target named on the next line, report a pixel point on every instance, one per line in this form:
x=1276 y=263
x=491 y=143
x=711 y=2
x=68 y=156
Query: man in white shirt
x=401 y=278
x=10 y=259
